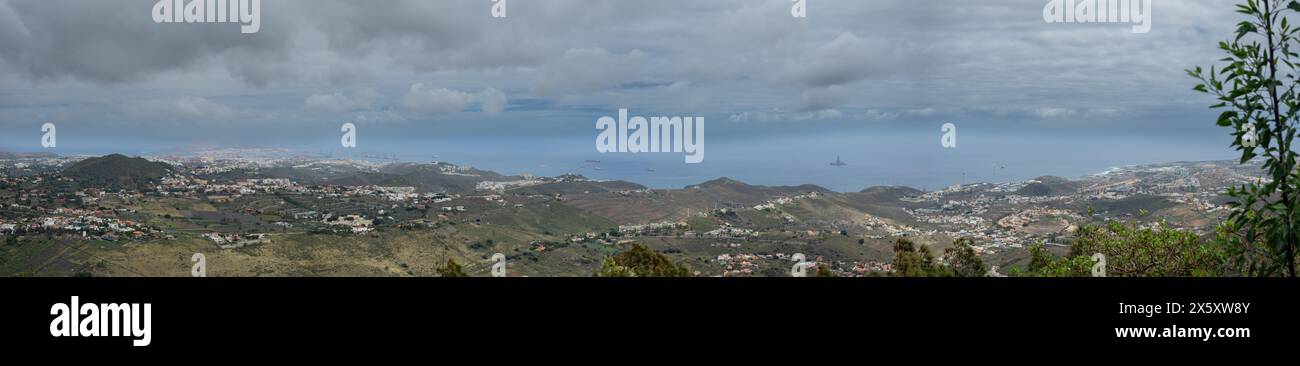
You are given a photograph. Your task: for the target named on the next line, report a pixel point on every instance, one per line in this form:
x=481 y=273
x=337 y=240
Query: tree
x=1154 y=251
x=1131 y=251
x=610 y=268
x=641 y=261
x=1263 y=110
x=962 y=259
x=824 y=271
x=1042 y=263
x=451 y=269
x=911 y=261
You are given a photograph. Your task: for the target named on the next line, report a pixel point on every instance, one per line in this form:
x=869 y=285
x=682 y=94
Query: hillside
x=440 y=178
x=1048 y=186
x=672 y=204
x=22 y=155
x=117 y=171
x=579 y=187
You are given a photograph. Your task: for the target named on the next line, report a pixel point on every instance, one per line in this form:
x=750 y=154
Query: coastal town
x=268 y=198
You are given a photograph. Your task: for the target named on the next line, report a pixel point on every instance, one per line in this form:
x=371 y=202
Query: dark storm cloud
x=118 y=42
x=425 y=62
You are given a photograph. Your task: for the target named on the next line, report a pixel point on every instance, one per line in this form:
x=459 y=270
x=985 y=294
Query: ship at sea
x=838 y=162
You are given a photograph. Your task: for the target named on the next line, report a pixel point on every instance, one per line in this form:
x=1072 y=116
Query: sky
x=429 y=73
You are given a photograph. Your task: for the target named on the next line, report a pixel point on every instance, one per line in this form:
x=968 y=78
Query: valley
x=285 y=215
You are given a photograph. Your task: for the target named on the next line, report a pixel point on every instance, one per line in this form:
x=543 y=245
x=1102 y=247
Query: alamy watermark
x=1098 y=265
x=1249 y=137
x=1137 y=12
x=49 y=136
x=498 y=265
x=75 y=319
x=949 y=138
x=801 y=265
x=248 y=13
x=498 y=8
x=349 y=139
x=654 y=135
x=200 y=268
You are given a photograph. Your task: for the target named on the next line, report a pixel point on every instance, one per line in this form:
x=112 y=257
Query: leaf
x=1225 y=119
x=1245 y=28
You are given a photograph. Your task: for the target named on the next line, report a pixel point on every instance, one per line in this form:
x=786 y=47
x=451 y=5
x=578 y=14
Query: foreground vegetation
x=1256 y=88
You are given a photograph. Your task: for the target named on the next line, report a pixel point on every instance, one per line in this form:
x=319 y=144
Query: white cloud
x=494 y=101
x=422 y=100
x=778 y=115
x=757 y=116
x=1054 y=112
x=339 y=102
x=829 y=113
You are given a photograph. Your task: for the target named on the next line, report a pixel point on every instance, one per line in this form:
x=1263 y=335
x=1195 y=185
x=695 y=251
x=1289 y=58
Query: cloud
x=494 y=101
x=347 y=74
x=179 y=110
x=757 y=116
x=339 y=102
x=866 y=60
x=827 y=97
x=590 y=69
x=427 y=36
x=778 y=115
x=1053 y=112
x=116 y=42
x=422 y=100
x=830 y=113
x=845 y=59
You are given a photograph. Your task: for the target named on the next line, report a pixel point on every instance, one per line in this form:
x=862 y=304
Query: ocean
x=900 y=156
x=905 y=159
